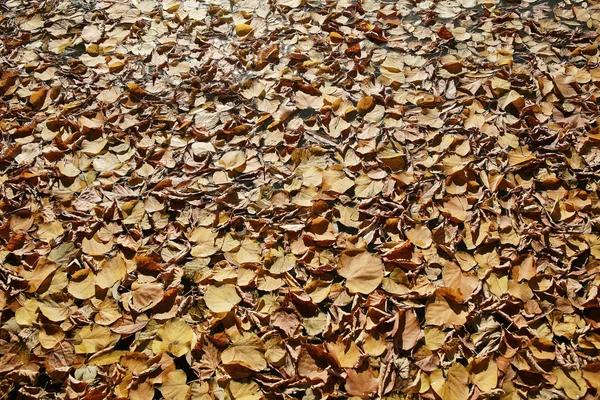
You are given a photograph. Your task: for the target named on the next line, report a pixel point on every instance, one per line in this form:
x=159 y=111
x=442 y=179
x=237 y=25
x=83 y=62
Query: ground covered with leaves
x=299 y=199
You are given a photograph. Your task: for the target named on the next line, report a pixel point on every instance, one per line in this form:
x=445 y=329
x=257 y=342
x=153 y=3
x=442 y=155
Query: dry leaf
x=454 y=385
x=174 y=337
x=221 y=298
x=363 y=272
x=246 y=350
x=444 y=312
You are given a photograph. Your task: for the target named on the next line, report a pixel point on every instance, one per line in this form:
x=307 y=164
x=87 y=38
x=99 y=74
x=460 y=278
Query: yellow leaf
x=50 y=336
x=374 y=344
x=513 y=98
x=456 y=209
x=38 y=98
x=143 y=391
x=244 y=390
x=571 y=382
x=525 y=270
x=591 y=373
x=362 y=384
x=33 y=24
x=249 y=252
x=305 y=100
x=36 y=278
x=442 y=312
x=221 y=298
x=366 y=187
x=312 y=176
x=233 y=161
x=81 y=285
x=363 y=272
x=497 y=285
x=91 y=339
x=566 y=85
x=455 y=163
x=486 y=259
x=484 y=373
x=243 y=29
x=175 y=337
x=112 y=357
x=247 y=350
x=336 y=181
x=276 y=350
x=137 y=214
x=420 y=236
x=50 y=231
x=594 y=243
x=411 y=332
x=474 y=239
x=201 y=391
x=283 y=263
x=91 y=33
x=55 y=312
x=205 y=242
x=455 y=278
x=320 y=231
x=434 y=338
x=455 y=386
x=95 y=247
x=108 y=312
x=111 y=272
x=27 y=313
x=174 y=387
x=318 y=290
x=146 y=295
x=345 y=352
x=520 y=155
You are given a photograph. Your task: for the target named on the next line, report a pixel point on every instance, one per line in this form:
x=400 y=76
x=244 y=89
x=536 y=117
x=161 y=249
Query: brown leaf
x=38 y=98
x=441 y=311
x=363 y=271
x=362 y=384
x=365 y=105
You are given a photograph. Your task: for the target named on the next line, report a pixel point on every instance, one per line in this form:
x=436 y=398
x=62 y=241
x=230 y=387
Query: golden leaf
x=111 y=271
x=363 y=271
x=244 y=390
x=362 y=384
x=243 y=29
x=174 y=386
x=442 y=312
x=247 y=350
x=455 y=386
x=420 y=236
x=38 y=98
x=455 y=278
x=365 y=104
x=484 y=373
x=571 y=382
x=346 y=352
x=93 y=338
x=95 y=247
x=81 y=285
x=221 y=298
x=233 y=161
x=175 y=337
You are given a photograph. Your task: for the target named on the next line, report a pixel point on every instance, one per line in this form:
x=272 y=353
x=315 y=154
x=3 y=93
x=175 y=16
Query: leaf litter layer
x=298 y=199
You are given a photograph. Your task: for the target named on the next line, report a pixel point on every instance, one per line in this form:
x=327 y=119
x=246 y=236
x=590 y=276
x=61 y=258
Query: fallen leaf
x=221 y=298
x=363 y=272
x=175 y=337
x=455 y=385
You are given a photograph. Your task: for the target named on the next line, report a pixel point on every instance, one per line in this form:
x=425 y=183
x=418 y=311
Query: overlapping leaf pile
x=299 y=199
